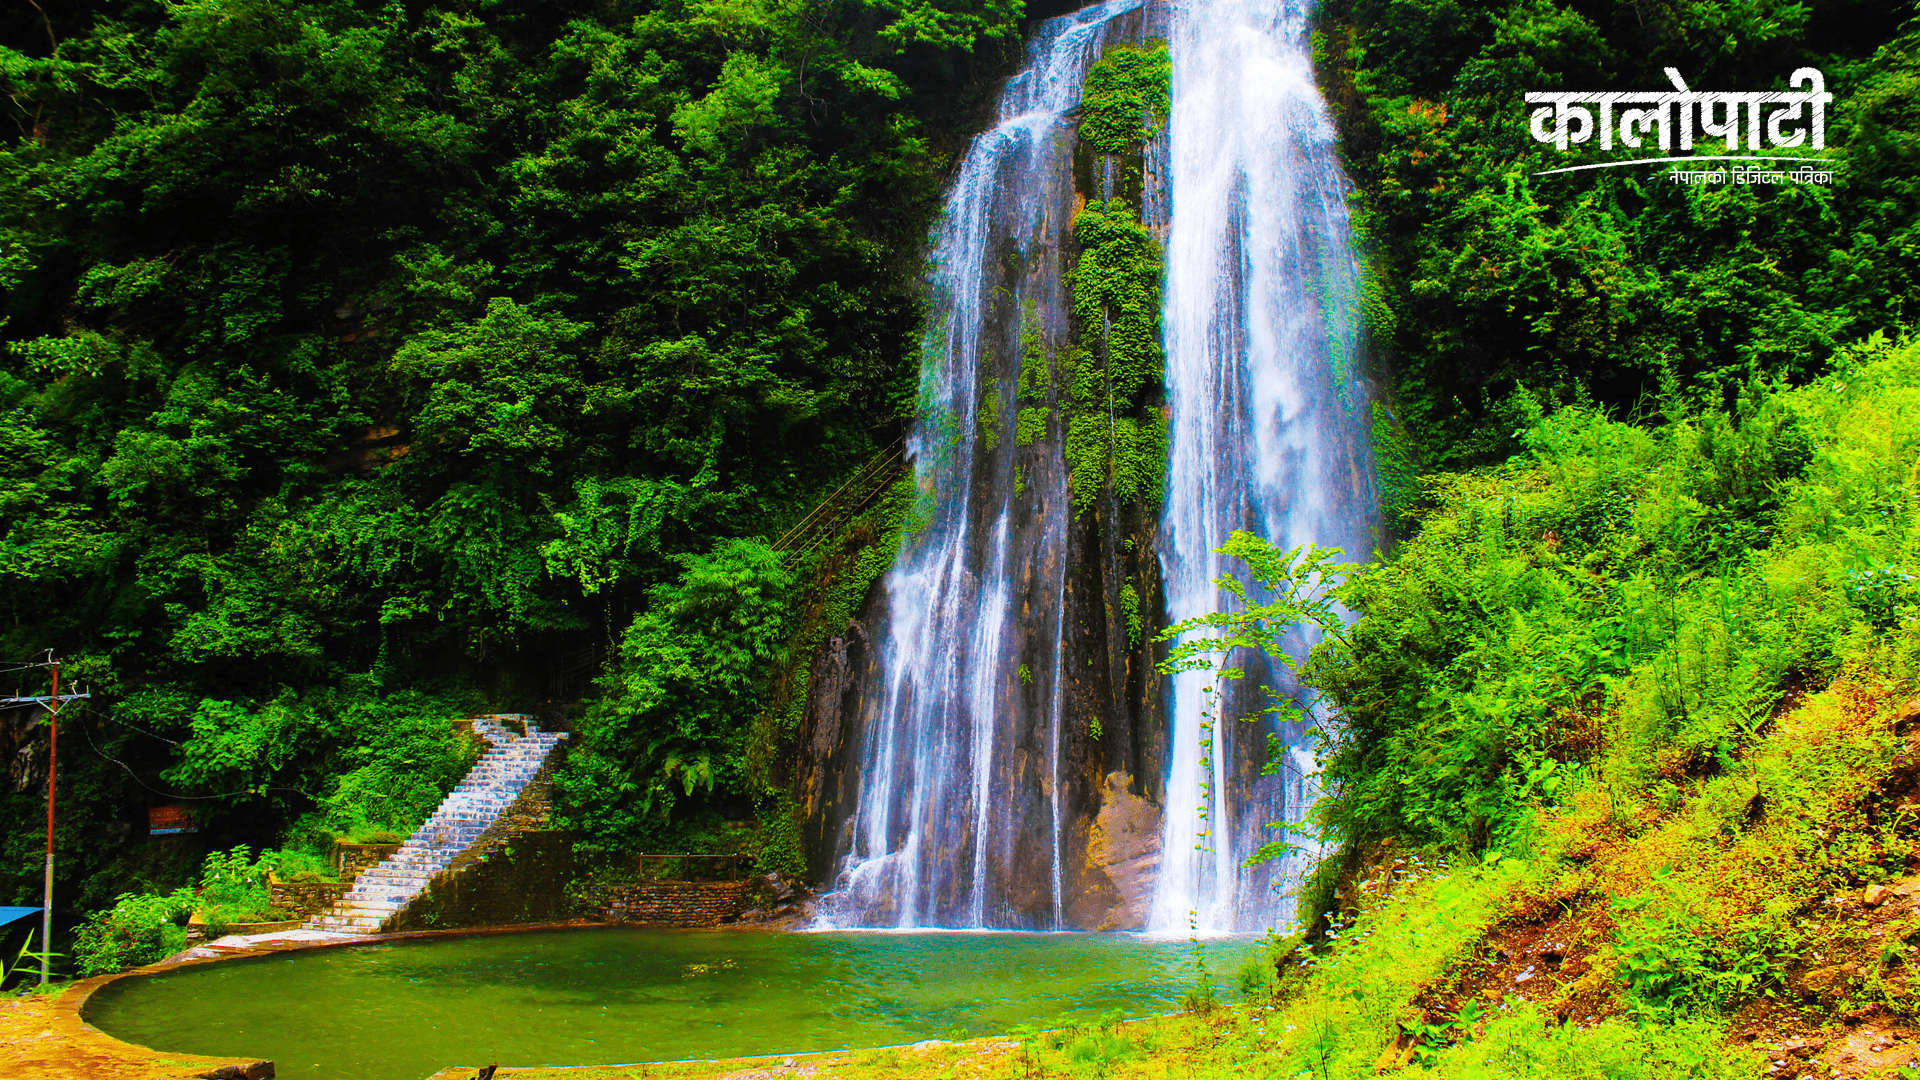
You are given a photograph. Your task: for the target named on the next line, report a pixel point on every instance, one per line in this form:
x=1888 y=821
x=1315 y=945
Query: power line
x=88 y=730
x=142 y=731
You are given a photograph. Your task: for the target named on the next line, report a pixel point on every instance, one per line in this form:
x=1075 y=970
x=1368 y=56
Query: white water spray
x=1269 y=417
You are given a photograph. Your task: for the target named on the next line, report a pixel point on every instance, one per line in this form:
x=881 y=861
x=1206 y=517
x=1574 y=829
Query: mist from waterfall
x=1269 y=419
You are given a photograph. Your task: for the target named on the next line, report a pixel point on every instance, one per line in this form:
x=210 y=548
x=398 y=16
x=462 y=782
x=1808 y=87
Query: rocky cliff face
x=984 y=744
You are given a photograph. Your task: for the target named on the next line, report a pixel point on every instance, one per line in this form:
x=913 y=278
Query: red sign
x=162 y=820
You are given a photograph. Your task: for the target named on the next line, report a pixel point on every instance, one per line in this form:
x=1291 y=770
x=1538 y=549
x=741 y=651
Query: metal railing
x=843 y=505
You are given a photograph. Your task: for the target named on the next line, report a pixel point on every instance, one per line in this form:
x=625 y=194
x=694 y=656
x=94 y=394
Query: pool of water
x=573 y=997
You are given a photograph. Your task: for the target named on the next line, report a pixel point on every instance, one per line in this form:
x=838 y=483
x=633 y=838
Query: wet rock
x=1874 y=895
x=1123 y=858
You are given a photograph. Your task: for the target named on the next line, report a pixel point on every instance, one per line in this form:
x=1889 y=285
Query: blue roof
x=9 y=914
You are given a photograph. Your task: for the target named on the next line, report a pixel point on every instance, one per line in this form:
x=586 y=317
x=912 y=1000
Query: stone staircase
x=493 y=794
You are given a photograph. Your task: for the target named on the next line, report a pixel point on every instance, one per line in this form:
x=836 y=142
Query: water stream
x=967 y=810
x=959 y=817
x=1269 y=416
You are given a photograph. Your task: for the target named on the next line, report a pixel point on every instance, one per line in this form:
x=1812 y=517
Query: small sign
x=166 y=820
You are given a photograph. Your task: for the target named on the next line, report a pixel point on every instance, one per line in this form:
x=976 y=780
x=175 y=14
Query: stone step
x=388 y=885
x=416 y=872
x=392 y=884
x=480 y=801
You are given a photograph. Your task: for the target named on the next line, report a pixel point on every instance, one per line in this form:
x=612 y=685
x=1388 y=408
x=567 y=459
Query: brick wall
x=305 y=898
x=672 y=903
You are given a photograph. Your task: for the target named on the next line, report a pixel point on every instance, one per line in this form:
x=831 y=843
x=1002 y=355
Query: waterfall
x=1269 y=417
x=958 y=818
x=1011 y=759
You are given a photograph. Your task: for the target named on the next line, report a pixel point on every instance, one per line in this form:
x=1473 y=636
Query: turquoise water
x=577 y=997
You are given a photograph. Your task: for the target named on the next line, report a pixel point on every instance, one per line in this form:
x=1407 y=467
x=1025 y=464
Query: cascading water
x=958 y=817
x=1004 y=738
x=1269 y=416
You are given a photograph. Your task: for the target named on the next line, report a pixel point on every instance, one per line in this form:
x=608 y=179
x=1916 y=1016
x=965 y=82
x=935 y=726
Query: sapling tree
x=1284 y=591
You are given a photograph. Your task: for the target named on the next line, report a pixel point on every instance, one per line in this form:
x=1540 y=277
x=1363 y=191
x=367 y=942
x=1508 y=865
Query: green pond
x=615 y=995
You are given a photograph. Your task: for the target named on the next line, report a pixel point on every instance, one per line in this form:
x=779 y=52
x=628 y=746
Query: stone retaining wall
x=350 y=859
x=304 y=898
x=673 y=903
x=197 y=930
x=521 y=880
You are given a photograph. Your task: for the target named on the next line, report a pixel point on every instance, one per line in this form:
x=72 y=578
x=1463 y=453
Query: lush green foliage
x=332 y=762
x=1620 y=600
x=141 y=928
x=1298 y=590
x=1673 y=964
x=1114 y=434
x=1126 y=98
x=1616 y=638
x=1528 y=1042
x=1297 y=586
x=233 y=888
x=679 y=703
x=353 y=350
x=1612 y=280
x=137 y=929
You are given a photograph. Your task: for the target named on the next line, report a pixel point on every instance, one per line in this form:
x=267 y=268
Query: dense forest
x=371 y=364
x=1612 y=506
x=1613 y=286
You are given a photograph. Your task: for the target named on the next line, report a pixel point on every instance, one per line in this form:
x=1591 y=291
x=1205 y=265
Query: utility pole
x=53 y=757
x=52 y=704
x=52 y=760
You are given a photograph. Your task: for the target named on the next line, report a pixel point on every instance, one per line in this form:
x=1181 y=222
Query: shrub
x=1618 y=604
x=138 y=929
x=1671 y=962
x=233 y=889
x=669 y=725
x=1527 y=1042
x=294 y=865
